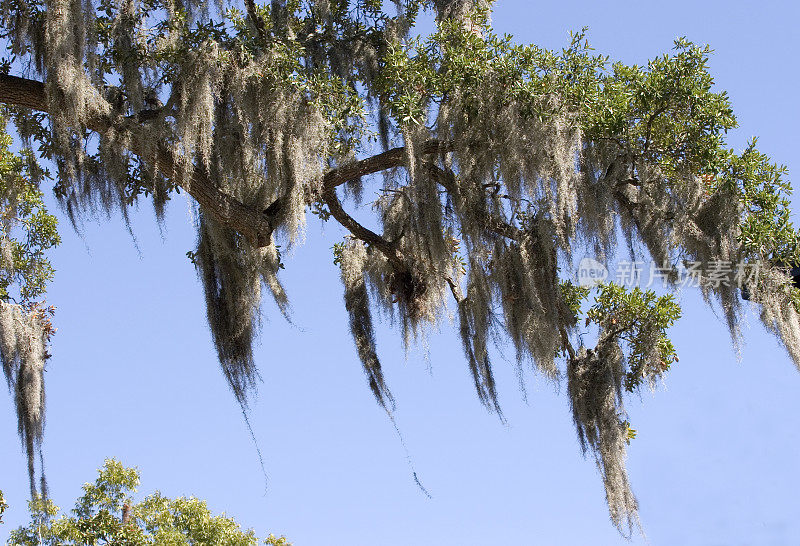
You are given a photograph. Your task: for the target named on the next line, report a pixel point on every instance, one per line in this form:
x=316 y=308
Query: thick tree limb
x=389 y=159
x=22 y=92
x=251 y=223
x=365 y=234
x=255 y=225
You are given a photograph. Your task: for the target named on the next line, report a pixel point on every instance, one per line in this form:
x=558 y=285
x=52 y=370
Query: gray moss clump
x=23 y=344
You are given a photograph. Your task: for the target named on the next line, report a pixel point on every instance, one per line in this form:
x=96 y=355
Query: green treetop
x=107 y=514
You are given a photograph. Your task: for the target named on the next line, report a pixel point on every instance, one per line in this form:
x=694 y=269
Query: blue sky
x=134 y=373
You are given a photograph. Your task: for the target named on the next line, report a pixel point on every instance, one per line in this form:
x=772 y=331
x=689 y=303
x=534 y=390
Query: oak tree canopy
x=469 y=171
x=107 y=513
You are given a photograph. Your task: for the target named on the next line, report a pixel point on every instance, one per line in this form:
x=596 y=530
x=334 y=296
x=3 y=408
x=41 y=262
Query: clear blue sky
x=134 y=373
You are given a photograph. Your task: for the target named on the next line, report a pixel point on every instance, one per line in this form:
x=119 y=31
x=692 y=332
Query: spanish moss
x=23 y=343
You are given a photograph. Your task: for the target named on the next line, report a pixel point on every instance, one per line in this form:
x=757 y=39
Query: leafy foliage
x=640 y=320
x=27 y=230
x=107 y=514
x=3 y=506
x=765 y=232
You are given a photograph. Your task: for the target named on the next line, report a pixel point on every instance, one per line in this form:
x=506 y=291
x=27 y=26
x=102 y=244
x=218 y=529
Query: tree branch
x=257 y=20
x=491 y=222
x=251 y=223
x=567 y=345
x=389 y=159
x=389 y=249
x=22 y=92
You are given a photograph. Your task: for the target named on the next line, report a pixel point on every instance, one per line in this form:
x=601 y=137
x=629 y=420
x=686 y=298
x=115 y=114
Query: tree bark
x=251 y=223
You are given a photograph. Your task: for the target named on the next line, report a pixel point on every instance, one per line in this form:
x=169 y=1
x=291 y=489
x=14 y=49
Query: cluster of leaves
x=766 y=231
x=106 y=514
x=460 y=58
x=630 y=433
x=27 y=229
x=408 y=80
x=338 y=250
x=640 y=319
x=666 y=112
x=3 y=506
x=574 y=296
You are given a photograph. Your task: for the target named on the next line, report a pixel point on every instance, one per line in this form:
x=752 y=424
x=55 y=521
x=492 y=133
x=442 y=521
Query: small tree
x=106 y=514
